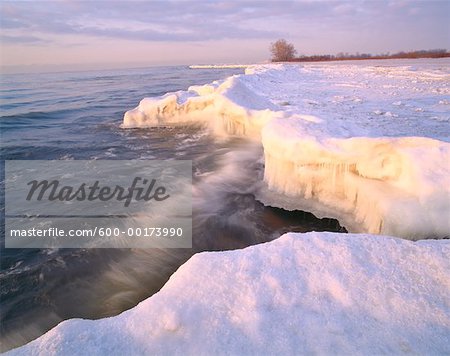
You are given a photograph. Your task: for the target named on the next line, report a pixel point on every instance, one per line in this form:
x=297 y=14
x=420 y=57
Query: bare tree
x=282 y=51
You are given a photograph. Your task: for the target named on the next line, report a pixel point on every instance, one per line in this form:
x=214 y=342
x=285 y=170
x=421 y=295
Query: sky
x=64 y=34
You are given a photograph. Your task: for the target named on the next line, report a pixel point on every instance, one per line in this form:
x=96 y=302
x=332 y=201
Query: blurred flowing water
x=77 y=115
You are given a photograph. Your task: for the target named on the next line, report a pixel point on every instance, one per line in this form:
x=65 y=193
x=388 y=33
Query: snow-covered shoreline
x=364 y=143
x=313 y=293
x=340 y=140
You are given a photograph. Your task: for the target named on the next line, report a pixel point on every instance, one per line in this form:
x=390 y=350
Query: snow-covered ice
x=313 y=293
x=365 y=142
x=229 y=107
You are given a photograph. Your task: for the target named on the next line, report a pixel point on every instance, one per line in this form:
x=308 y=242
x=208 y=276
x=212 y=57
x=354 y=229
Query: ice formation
x=230 y=107
x=218 y=66
x=314 y=293
x=366 y=143
x=397 y=186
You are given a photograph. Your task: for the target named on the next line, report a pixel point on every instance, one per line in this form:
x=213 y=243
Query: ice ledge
x=325 y=148
x=314 y=293
x=229 y=107
x=394 y=186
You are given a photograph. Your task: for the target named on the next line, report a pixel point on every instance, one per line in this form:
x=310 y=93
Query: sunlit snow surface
x=313 y=293
x=365 y=142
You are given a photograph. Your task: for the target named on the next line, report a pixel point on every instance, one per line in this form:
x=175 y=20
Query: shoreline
x=311 y=61
x=323 y=272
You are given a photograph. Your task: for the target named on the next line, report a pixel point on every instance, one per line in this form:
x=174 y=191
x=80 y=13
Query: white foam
x=218 y=66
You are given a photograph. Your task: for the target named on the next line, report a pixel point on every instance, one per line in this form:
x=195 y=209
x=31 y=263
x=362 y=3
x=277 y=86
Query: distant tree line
x=282 y=51
x=432 y=53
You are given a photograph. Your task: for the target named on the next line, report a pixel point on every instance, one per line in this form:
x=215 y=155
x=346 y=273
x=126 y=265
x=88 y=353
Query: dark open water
x=77 y=115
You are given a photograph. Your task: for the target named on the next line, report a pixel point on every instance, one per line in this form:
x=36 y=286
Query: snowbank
x=364 y=143
x=300 y=294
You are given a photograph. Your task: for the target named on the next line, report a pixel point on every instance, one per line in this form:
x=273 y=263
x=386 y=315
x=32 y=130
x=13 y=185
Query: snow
x=313 y=293
x=365 y=142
